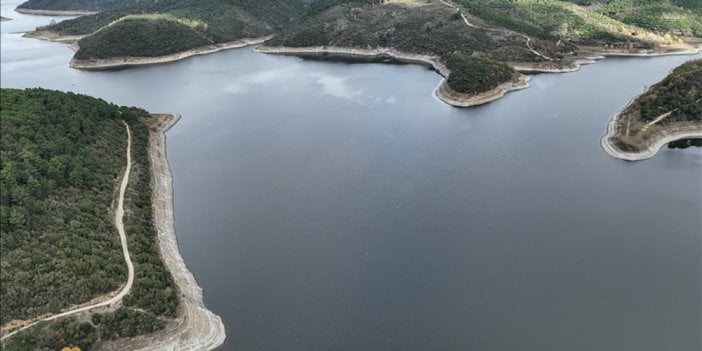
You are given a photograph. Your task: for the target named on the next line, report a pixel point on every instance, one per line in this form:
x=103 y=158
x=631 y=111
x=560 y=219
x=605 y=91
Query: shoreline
x=39 y=12
x=443 y=92
x=52 y=36
x=648 y=53
x=662 y=138
x=550 y=67
x=132 y=61
x=196 y=328
x=591 y=56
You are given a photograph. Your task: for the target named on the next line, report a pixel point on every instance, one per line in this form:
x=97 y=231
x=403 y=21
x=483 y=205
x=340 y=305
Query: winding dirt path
x=119 y=214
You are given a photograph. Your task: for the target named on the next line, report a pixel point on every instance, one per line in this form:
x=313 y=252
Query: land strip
x=124 y=62
x=196 y=328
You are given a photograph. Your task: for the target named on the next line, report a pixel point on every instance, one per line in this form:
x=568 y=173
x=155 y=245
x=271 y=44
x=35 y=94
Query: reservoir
x=336 y=206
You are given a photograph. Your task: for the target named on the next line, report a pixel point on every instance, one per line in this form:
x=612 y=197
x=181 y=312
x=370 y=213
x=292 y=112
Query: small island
x=667 y=112
x=89 y=253
x=481 y=48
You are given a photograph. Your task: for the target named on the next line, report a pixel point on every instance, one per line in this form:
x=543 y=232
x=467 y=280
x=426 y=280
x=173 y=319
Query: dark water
x=329 y=206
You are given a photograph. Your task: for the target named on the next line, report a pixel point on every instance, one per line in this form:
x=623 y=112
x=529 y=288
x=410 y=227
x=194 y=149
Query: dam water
x=335 y=206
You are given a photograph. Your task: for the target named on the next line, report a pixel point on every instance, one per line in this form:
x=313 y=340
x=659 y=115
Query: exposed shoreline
x=38 y=12
x=53 y=36
x=550 y=67
x=666 y=135
x=692 y=50
x=591 y=56
x=443 y=92
x=124 y=62
x=196 y=328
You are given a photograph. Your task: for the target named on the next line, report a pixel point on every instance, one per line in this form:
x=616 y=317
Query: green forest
x=62 y=156
x=226 y=20
x=146 y=37
x=680 y=93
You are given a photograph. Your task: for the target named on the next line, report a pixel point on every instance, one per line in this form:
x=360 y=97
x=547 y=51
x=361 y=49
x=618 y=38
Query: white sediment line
x=663 y=136
x=443 y=92
x=590 y=59
x=124 y=62
x=51 y=36
x=38 y=12
x=606 y=53
x=651 y=150
x=196 y=328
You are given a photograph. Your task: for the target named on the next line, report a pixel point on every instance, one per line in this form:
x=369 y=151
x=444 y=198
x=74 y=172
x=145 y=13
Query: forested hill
x=225 y=20
x=62 y=156
x=475 y=38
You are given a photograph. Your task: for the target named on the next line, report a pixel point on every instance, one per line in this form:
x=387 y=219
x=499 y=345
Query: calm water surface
x=328 y=206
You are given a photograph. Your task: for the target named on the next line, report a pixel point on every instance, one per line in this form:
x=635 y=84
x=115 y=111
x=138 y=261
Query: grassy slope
x=679 y=16
x=556 y=19
x=67 y=245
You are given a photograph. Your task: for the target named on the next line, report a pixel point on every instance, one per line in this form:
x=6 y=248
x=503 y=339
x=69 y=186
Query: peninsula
x=480 y=47
x=667 y=112
x=95 y=227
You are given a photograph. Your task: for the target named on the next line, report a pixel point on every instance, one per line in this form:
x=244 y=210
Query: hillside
x=62 y=156
x=432 y=29
x=672 y=106
x=225 y=20
x=147 y=35
x=475 y=39
x=683 y=17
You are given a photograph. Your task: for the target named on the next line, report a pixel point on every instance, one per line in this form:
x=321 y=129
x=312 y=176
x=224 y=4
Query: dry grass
x=197 y=25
